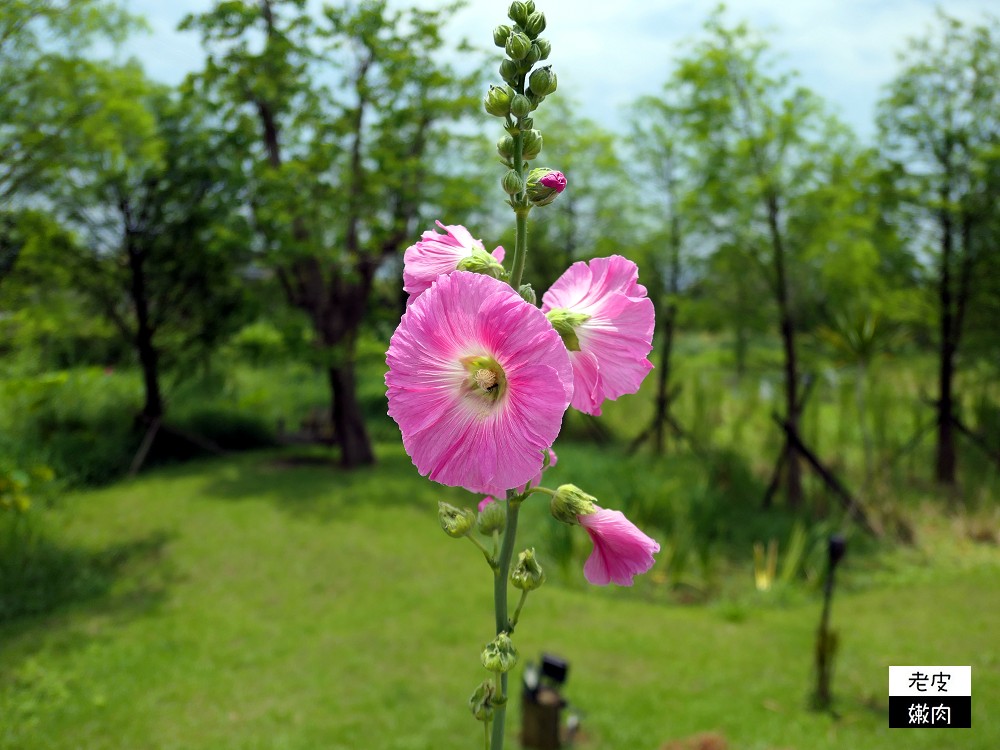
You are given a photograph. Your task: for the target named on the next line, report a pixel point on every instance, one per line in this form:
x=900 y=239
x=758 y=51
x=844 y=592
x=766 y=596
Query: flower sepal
x=569 y=502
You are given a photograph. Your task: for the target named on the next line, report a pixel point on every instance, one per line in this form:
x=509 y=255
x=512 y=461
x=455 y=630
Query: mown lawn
x=255 y=602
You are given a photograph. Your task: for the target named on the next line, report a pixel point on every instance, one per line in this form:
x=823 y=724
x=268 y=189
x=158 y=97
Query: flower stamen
x=486 y=379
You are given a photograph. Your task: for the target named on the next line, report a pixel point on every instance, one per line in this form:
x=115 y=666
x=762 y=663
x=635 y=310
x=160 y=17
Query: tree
x=663 y=160
x=348 y=109
x=940 y=125
x=158 y=237
x=767 y=156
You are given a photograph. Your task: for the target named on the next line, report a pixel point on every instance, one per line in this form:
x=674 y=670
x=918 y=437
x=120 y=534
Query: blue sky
x=608 y=53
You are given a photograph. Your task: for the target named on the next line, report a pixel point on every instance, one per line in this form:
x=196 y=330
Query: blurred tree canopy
x=348 y=111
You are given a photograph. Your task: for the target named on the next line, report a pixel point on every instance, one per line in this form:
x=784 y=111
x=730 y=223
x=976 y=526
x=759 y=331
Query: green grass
x=256 y=602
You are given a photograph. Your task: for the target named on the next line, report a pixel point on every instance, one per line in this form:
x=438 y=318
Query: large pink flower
x=478 y=383
x=606 y=320
x=435 y=254
x=620 y=552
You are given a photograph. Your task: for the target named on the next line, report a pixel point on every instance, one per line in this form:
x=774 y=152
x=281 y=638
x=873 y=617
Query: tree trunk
x=148 y=356
x=945 y=459
x=663 y=381
x=348 y=419
x=793 y=467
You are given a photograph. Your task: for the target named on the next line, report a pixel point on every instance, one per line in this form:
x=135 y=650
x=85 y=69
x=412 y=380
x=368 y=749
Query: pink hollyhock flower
x=435 y=254
x=478 y=383
x=621 y=550
x=606 y=321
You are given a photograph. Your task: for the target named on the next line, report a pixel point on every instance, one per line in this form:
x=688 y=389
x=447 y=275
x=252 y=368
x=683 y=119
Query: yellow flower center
x=486 y=378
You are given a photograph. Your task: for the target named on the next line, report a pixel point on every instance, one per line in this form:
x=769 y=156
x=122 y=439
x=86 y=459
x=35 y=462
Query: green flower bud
x=545 y=46
x=527 y=574
x=481 y=703
x=565 y=323
x=543 y=81
x=532 y=145
x=535 y=24
x=518 y=12
x=529 y=6
x=520 y=106
x=526 y=124
x=505 y=147
x=512 y=182
x=570 y=501
x=482 y=262
x=517 y=45
x=508 y=71
x=533 y=56
x=499 y=655
x=497 y=101
x=501 y=34
x=528 y=294
x=456 y=522
x=492 y=518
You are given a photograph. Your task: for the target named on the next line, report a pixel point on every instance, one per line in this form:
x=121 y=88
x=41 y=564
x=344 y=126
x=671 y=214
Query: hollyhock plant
x=478 y=382
x=606 y=320
x=435 y=254
x=479 y=377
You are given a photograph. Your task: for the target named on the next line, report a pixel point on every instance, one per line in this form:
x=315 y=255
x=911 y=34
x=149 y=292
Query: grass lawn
x=252 y=603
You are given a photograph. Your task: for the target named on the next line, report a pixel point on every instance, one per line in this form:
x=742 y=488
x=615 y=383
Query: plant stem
x=500 y=607
x=486 y=553
x=517 y=612
x=520 y=248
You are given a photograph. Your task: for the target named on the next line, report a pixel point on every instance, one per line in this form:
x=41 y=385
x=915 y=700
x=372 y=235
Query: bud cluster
x=525 y=87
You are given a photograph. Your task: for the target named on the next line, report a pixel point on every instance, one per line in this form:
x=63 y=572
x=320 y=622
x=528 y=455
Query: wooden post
x=540 y=718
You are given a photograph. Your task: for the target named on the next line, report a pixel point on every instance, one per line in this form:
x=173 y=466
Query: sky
x=609 y=53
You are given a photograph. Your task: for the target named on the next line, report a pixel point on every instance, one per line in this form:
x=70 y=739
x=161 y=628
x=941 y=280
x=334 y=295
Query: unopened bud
x=512 y=182
x=566 y=322
x=497 y=101
x=535 y=24
x=526 y=124
x=505 y=147
x=481 y=703
x=533 y=56
x=499 y=655
x=456 y=522
x=528 y=294
x=520 y=106
x=543 y=81
x=545 y=46
x=508 y=70
x=532 y=145
x=482 y=262
x=570 y=502
x=501 y=34
x=527 y=574
x=529 y=6
x=492 y=517
x=544 y=185
x=518 y=12
x=517 y=45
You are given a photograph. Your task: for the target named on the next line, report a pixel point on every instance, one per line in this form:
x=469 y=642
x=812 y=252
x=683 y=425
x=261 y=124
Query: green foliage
x=54 y=100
